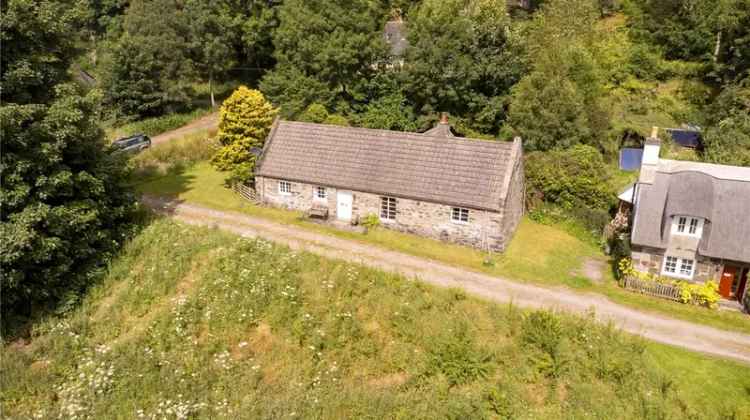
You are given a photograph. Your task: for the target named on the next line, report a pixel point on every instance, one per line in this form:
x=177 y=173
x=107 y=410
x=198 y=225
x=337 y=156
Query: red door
x=727 y=279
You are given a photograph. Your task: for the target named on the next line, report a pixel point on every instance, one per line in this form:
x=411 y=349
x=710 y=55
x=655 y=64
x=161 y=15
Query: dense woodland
x=576 y=79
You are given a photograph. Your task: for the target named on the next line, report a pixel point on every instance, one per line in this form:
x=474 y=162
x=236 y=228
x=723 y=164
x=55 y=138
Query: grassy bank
x=541 y=254
x=195 y=322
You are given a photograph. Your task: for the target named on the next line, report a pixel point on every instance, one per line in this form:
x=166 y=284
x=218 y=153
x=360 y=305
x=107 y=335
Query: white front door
x=344 y=205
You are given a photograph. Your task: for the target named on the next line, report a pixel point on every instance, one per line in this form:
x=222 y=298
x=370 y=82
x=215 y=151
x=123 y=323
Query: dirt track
x=207 y=122
x=652 y=326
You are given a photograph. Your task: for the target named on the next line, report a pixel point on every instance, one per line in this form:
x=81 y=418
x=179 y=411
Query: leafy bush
x=706 y=294
x=569 y=178
x=456 y=356
x=315 y=113
x=371 y=221
x=542 y=331
x=703 y=294
x=175 y=155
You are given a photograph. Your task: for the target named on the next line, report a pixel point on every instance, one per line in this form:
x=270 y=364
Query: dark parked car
x=132 y=144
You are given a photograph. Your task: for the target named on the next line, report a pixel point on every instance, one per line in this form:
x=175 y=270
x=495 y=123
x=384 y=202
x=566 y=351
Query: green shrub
x=703 y=294
x=569 y=178
x=315 y=113
x=371 y=221
x=542 y=331
x=175 y=155
x=458 y=358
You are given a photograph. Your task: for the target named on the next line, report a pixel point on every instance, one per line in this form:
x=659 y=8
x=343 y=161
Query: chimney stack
x=650 y=160
x=651 y=148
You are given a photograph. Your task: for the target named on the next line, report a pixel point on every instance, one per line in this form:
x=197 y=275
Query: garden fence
x=651 y=288
x=245 y=191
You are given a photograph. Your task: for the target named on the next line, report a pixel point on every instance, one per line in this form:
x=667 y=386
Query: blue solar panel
x=630 y=159
x=686 y=138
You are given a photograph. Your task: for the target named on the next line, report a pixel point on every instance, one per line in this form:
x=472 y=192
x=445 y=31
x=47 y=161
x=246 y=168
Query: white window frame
x=683 y=225
x=460 y=215
x=388 y=211
x=285 y=187
x=320 y=193
x=679 y=266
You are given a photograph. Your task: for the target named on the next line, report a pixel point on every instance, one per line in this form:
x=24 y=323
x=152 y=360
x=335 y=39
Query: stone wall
x=484 y=230
x=650 y=260
x=515 y=200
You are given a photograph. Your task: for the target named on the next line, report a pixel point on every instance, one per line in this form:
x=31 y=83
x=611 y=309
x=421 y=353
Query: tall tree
x=716 y=32
x=463 y=58
x=559 y=103
x=325 y=51
x=64 y=207
x=727 y=136
x=211 y=26
x=149 y=70
x=244 y=121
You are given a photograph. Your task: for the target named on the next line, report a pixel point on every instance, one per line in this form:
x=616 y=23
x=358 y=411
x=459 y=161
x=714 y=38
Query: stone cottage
x=432 y=184
x=692 y=221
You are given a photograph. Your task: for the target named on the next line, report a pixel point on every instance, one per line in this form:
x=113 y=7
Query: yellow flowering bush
x=705 y=294
x=245 y=119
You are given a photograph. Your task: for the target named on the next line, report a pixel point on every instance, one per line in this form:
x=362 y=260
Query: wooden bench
x=318 y=211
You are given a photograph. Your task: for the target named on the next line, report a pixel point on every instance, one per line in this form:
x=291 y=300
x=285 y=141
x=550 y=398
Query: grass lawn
x=193 y=322
x=540 y=254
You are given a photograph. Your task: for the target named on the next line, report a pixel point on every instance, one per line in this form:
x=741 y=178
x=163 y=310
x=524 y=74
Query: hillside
x=195 y=322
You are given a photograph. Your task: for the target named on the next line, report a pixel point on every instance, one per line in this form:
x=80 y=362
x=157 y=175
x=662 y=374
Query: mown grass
x=196 y=322
x=542 y=254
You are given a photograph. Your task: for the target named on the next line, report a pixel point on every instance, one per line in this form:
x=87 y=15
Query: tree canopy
x=326 y=51
x=244 y=121
x=64 y=204
x=463 y=58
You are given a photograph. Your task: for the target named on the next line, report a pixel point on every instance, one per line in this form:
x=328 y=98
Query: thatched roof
x=718 y=193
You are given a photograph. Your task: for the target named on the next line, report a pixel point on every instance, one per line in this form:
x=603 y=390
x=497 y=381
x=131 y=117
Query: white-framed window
x=320 y=193
x=285 y=188
x=387 y=208
x=688 y=226
x=678 y=267
x=459 y=215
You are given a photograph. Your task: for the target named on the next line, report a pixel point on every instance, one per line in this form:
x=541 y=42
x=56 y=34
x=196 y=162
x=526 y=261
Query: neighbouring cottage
x=394 y=33
x=433 y=184
x=691 y=221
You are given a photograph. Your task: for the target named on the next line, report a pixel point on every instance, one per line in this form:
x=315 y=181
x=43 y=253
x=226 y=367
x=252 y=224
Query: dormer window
x=687 y=226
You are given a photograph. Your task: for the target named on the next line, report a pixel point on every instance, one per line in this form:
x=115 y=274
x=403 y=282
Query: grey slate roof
x=718 y=193
x=395 y=37
x=449 y=170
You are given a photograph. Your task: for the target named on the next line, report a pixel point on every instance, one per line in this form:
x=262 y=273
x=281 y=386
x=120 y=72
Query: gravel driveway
x=656 y=327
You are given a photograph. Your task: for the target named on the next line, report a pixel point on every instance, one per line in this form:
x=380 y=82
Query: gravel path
x=659 y=328
x=207 y=122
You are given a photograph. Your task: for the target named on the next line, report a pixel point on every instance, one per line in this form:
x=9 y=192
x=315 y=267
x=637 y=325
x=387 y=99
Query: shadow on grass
x=157 y=179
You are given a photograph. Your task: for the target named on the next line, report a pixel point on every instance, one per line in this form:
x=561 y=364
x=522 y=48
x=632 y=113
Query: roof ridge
x=381 y=130
x=716 y=171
